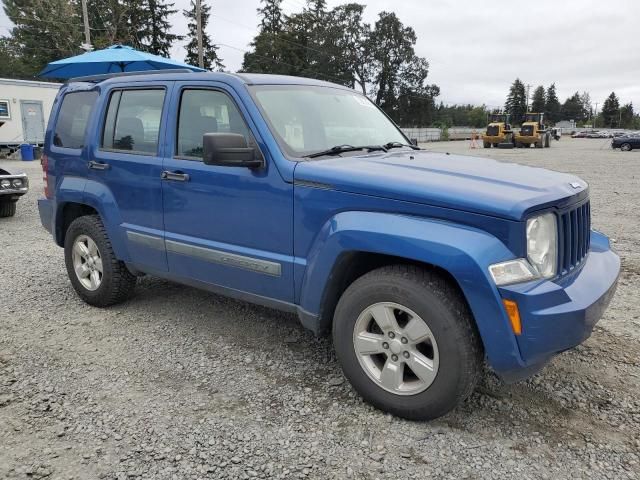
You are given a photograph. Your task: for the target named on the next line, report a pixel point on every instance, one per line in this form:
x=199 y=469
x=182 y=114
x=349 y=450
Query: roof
x=230 y=78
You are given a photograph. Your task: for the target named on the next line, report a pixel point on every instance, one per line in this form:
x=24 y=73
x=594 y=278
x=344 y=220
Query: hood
x=459 y=182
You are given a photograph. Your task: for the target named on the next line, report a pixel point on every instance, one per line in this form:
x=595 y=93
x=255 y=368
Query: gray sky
x=476 y=52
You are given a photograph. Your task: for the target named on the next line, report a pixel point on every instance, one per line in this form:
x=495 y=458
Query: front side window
x=73 y=118
x=133 y=121
x=309 y=119
x=205 y=111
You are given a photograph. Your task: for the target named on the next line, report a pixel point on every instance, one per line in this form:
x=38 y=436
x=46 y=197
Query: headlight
x=6 y=183
x=512 y=271
x=17 y=183
x=542 y=244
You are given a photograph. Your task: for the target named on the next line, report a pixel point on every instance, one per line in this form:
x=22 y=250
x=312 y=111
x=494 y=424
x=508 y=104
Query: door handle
x=98 y=165
x=175 y=176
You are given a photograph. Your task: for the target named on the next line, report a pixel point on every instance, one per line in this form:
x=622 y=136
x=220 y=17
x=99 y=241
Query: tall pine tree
x=611 y=111
x=516 y=103
x=42 y=32
x=552 y=105
x=538 y=100
x=209 y=49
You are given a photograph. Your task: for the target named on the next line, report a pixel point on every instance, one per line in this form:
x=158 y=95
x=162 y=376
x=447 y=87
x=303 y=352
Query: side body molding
x=464 y=252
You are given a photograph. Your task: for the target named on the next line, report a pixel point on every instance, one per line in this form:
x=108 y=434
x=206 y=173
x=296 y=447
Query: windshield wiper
x=391 y=145
x=347 y=148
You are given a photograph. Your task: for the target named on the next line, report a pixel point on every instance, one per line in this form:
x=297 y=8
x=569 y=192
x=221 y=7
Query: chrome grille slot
x=574 y=229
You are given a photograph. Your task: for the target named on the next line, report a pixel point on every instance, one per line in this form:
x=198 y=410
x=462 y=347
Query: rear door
x=125 y=165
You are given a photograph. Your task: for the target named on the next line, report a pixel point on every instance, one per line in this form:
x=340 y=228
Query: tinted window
x=73 y=118
x=206 y=111
x=133 y=120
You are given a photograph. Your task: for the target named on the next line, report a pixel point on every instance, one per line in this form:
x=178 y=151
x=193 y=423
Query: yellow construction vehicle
x=533 y=132
x=498 y=133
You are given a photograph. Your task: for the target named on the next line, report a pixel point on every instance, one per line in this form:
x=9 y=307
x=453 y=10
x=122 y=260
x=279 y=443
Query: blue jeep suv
x=303 y=196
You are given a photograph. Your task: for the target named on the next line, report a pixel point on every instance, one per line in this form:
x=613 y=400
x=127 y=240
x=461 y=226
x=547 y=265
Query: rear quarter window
x=71 y=124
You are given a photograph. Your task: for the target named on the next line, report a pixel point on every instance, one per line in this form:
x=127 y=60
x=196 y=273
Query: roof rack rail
x=106 y=76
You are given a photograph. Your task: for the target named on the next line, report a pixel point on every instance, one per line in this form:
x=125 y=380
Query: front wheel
x=625 y=147
x=406 y=341
x=98 y=277
x=7 y=209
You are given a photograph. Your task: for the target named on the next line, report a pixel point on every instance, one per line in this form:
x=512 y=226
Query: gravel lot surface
x=182 y=384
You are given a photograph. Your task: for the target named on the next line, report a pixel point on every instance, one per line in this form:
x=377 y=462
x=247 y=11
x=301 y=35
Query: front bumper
x=13 y=193
x=560 y=314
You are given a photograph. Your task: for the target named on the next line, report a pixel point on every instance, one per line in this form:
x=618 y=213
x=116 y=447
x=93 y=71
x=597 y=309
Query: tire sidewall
x=625 y=147
x=87 y=226
x=446 y=389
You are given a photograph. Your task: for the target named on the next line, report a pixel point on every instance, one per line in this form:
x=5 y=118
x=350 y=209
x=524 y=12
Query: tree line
x=336 y=45
x=577 y=107
x=49 y=30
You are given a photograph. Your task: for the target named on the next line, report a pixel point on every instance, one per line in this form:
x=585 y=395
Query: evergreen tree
x=271 y=16
x=209 y=50
x=348 y=41
x=269 y=45
x=611 y=111
x=627 y=116
x=585 y=98
x=157 y=37
x=516 y=103
x=538 y=100
x=552 y=105
x=42 y=32
x=573 y=109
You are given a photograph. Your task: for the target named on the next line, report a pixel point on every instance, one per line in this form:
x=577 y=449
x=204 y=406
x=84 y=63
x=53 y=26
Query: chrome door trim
x=146 y=240
x=265 y=267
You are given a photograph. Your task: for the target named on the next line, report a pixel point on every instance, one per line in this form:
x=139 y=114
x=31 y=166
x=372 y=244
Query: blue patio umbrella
x=113 y=59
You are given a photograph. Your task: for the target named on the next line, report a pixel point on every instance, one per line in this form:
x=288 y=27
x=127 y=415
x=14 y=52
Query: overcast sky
x=475 y=51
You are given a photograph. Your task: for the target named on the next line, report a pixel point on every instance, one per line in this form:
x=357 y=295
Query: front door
x=224 y=226
x=32 y=121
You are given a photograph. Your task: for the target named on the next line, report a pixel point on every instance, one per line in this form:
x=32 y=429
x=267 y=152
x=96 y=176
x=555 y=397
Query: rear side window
x=73 y=119
x=133 y=121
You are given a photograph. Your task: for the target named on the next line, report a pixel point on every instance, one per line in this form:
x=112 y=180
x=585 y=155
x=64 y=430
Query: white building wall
x=14 y=91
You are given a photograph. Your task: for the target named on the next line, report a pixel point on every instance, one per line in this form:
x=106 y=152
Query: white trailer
x=24 y=111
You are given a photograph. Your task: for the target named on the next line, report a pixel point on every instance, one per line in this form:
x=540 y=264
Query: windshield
x=310 y=119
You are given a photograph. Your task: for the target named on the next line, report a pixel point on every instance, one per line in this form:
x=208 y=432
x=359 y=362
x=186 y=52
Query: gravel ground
x=182 y=384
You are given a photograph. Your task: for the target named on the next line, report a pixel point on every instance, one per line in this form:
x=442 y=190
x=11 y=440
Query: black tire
x=625 y=147
x=494 y=145
x=117 y=283
x=486 y=144
x=7 y=209
x=445 y=312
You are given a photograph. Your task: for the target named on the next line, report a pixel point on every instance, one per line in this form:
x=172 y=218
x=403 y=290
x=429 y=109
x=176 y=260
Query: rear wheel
x=407 y=342
x=98 y=277
x=486 y=144
x=7 y=208
x=494 y=145
x=625 y=147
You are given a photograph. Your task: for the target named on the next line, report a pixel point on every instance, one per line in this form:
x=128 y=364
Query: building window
x=4 y=109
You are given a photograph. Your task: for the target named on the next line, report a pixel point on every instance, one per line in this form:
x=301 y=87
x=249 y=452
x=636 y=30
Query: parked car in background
x=12 y=187
x=303 y=196
x=626 y=143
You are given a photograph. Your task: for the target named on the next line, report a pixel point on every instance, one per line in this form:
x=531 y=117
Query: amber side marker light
x=513 y=313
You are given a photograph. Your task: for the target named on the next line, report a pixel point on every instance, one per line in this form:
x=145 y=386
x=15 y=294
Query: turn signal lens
x=513 y=313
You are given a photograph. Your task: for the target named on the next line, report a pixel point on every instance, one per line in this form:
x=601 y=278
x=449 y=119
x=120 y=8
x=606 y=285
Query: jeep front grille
x=574 y=234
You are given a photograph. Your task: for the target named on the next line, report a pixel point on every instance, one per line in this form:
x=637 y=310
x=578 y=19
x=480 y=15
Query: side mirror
x=414 y=141
x=228 y=149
